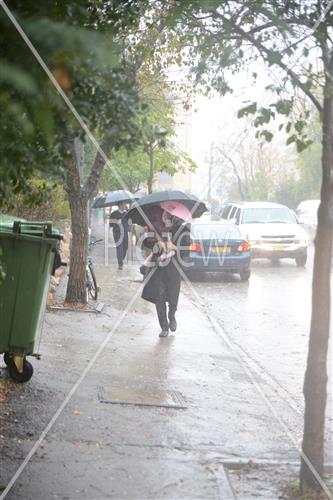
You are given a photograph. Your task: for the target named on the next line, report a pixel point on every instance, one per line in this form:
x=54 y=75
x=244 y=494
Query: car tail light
x=244 y=247
x=195 y=247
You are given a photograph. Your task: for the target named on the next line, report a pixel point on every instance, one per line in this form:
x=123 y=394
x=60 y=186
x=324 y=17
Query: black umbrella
x=115 y=197
x=142 y=206
x=99 y=201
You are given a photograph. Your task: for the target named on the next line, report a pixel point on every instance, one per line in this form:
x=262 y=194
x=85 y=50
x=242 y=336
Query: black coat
x=163 y=281
x=117 y=232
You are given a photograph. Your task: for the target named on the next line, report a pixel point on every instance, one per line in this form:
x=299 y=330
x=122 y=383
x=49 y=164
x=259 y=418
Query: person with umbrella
x=119 y=224
x=164 y=213
x=168 y=254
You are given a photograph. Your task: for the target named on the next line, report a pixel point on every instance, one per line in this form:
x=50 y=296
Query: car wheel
x=301 y=261
x=245 y=275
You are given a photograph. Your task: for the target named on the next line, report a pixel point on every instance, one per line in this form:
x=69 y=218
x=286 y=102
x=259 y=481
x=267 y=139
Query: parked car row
x=272 y=230
x=247 y=230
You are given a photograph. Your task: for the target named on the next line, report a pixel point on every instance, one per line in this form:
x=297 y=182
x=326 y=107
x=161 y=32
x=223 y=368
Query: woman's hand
x=170 y=246
x=162 y=246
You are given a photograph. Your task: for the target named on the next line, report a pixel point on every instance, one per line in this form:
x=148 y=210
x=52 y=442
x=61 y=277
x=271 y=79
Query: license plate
x=221 y=249
x=279 y=246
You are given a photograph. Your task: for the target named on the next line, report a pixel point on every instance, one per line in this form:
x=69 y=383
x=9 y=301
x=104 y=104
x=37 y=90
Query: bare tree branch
x=264 y=50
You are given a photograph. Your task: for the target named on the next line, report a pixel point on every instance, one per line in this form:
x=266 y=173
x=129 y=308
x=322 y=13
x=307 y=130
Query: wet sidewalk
x=153 y=418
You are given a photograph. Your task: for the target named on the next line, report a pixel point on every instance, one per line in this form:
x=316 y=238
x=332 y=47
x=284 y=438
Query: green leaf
x=299 y=125
x=273 y=57
x=264 y=116
x=308 y=85
x=301 y=145
x=267 y=135
x=247 y=110
x=291 y=139
x=284 y=106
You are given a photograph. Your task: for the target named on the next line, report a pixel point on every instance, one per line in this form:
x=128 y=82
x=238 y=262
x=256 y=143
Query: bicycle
x=91 y=283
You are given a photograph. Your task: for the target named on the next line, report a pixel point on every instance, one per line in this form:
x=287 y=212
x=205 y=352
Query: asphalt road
x=268 y=317
x=267 y=321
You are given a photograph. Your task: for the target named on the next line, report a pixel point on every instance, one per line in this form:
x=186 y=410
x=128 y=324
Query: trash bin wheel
x=16 y=375
x=6 y=358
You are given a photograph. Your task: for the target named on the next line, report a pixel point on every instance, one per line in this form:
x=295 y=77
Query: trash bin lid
x=27 y=228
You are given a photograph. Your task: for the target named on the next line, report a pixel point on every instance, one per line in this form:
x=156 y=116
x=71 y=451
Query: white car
x=272 y=230
x=307 y=212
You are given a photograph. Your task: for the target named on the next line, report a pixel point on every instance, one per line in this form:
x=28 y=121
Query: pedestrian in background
x=119 y=224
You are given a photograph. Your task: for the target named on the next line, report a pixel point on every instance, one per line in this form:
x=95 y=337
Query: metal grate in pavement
x=142 y=397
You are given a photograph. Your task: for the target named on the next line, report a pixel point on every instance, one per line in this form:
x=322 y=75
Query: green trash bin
x=27 y=257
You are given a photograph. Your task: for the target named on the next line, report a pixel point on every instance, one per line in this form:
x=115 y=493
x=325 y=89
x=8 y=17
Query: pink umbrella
x=177 y=209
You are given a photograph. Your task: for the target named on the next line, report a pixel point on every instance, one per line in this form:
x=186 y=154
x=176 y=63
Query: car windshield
x=267 y=216
x=214 y=232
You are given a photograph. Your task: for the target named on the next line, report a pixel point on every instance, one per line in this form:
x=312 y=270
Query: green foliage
x=158 y=127
x=287 y=193
x=267 y=135
x=34 y=122
x=247 y=110
x=260 y=186
x=309 y=167
x=306 y=186
x=44 y=201
x=132 y=167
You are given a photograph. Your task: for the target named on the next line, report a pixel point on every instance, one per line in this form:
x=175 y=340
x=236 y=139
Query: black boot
x=162 y=318
x=172 y=318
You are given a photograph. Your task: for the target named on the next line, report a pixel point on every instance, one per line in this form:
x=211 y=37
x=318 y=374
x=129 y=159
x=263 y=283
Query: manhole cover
x=142 y=397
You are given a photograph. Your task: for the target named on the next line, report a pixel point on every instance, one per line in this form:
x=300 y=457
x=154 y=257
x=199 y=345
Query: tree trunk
x=315 y=380
x=79 y=194
x=76 y=288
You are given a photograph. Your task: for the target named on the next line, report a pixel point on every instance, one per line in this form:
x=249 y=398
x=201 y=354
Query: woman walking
x=168 y=245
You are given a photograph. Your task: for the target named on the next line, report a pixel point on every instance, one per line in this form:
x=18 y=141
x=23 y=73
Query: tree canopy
x=80 y=44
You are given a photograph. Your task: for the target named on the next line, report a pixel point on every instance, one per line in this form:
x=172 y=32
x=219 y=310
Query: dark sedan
x=218 y=247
